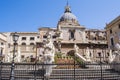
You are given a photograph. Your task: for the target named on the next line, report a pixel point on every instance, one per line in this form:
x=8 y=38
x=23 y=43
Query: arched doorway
x=70 y=53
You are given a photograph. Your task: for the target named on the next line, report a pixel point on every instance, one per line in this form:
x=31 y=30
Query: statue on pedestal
x=115 y=58
x=9 y=57
x=111 y=56
x=48 y=55
x=18 y=56
x=88 y=54
x=76 y=48
x=87 y=59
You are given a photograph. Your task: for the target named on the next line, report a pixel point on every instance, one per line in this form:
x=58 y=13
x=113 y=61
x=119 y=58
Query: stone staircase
x=91 y=73
x=84 y=74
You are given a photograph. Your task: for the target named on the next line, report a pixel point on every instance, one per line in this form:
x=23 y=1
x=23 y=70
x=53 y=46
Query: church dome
x=68 y=16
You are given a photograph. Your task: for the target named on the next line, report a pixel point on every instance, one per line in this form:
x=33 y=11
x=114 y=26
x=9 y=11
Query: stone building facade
x=25 y=48
x=70 y=32
x=113 y=32
x=113 y=38
x=3 y=41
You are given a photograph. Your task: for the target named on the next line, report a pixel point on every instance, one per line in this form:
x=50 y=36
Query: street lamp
x=15 y=37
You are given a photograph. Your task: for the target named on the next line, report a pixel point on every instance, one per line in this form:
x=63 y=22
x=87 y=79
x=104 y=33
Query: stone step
x=63 y=74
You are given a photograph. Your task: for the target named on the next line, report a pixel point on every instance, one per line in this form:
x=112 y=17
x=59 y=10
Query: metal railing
x=36 y=71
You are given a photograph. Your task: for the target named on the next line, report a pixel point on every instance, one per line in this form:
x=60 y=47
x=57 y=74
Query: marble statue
x=9 y=57
x=116 y=58
x=116 y=54
x=111 y=56
x=76 y=48
x=88 y=54
x=48 y=56
x=87 y=59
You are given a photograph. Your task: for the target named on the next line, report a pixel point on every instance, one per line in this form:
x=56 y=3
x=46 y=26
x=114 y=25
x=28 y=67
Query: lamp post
x=15 y=37
x=36 y=58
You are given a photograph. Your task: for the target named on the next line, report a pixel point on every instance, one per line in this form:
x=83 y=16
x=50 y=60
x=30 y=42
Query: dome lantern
x=67 y=8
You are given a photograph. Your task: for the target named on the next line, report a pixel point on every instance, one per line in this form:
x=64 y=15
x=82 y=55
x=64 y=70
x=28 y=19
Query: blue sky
x=29 y=15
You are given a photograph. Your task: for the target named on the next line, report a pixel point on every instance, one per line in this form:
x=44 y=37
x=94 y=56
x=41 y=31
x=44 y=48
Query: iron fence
x=36 y=71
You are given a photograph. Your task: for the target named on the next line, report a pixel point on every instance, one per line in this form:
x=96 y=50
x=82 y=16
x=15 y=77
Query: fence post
x=74 y=66
x=43 y=69
x=100 y=65
x=0 y=69
x=101 y=69
x=35 y=71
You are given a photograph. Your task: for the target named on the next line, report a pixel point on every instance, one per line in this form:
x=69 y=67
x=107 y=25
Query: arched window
x=16 y=44
x=72 y=34
x=112 y=41
x=32 y=46
x=108 y=54
x=23 y=47
x=99 y=54
x=23 y=44
x=95 y=38
x=31 y=43
x=1 y=51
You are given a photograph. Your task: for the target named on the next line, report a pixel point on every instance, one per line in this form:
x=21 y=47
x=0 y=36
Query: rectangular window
x=71 y=34
x=23 y=38
x=1 y=51
x=112 y=41
x=8 y=45
x=110 y=31
x=119 y=26
x=31 y=38
x=54 y=36
x=38 y=37
x=22 y=56
x=44 y=36
x=2 y=43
